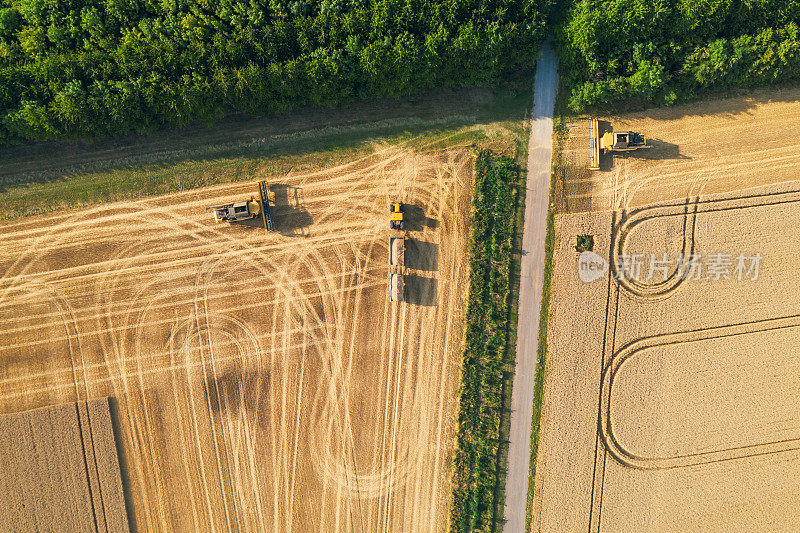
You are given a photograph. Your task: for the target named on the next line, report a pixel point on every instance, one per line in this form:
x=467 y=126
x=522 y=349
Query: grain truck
x=396 y=287
x=397 y=251
x=397 y=254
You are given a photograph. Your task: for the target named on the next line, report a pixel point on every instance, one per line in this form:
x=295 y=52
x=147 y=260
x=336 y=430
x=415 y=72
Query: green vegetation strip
x=24 y=195
x=136 y=181
x=487 y=351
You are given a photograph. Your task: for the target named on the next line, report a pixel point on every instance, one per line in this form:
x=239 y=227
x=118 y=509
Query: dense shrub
x=666 y=50
x=486 y=351
x=99 y=67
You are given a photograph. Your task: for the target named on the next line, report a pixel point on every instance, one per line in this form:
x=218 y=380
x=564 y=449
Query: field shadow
x=232 y=390
x=305 y=130
x=416 y=220
x=718 y=102
x=289 y=216
x=122 y=459
x=728 y=102
x=421 y=290
x=572 y=187
x=661 y=150
x=422 y=255
x=606 y=162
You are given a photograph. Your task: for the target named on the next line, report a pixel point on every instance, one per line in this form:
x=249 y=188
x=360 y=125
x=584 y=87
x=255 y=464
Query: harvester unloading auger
x=611 y=141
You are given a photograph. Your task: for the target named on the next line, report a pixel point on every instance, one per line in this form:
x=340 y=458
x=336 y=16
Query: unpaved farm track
x=263 y=382
x=672 y=407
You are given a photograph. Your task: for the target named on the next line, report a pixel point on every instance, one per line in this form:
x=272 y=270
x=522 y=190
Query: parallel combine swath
x=262 y=189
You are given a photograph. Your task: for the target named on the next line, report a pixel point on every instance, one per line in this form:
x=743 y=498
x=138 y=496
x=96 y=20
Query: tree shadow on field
x=422 y=255
x=421 y=291
x=122 y=459
x=289 y=216
x=416 y=220
x=305 y=130
x=722 y=103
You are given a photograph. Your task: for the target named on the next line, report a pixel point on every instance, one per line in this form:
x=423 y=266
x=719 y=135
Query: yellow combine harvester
x=611 y=141
x=246 y=209
x=234 y=212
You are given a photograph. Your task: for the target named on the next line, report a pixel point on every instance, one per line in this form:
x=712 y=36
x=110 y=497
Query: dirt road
x=540 y=148
x=263 y=382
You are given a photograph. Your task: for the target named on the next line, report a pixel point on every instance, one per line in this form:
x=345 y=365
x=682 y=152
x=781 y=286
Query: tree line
x=85 y=68
x=665 y=51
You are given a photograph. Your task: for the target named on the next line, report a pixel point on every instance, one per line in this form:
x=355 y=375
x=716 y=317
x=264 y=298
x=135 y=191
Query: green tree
x=10 y=21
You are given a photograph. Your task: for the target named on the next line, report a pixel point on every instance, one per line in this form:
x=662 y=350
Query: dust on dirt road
x=262 y=380
x=708 y=147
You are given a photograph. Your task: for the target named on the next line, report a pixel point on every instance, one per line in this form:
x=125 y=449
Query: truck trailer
x=396 y=287
x=397 y=251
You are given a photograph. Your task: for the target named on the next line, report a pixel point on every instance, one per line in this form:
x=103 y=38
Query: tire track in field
x=153 y=290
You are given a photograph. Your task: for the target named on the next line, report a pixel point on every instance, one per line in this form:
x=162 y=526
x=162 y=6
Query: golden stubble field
x=671 y=404
x=60 y=470
x=259 y=382
x=703 y=148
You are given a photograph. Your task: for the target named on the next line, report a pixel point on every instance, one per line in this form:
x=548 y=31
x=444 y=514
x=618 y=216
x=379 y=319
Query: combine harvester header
x=262 y=190
x=594 y=145
x=611 y=141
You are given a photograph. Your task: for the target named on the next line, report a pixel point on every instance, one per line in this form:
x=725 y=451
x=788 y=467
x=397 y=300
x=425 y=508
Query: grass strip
x=195 y=157
x=488 y=353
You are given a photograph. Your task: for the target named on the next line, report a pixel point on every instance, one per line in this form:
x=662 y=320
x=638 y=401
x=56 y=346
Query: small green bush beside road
x=487 y=354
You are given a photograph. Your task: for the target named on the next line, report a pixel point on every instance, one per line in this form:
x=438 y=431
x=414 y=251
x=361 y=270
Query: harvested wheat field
x=703 y=148
x=60 y=470
x=262 y=381
x=671 y=399
x=671 y=386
